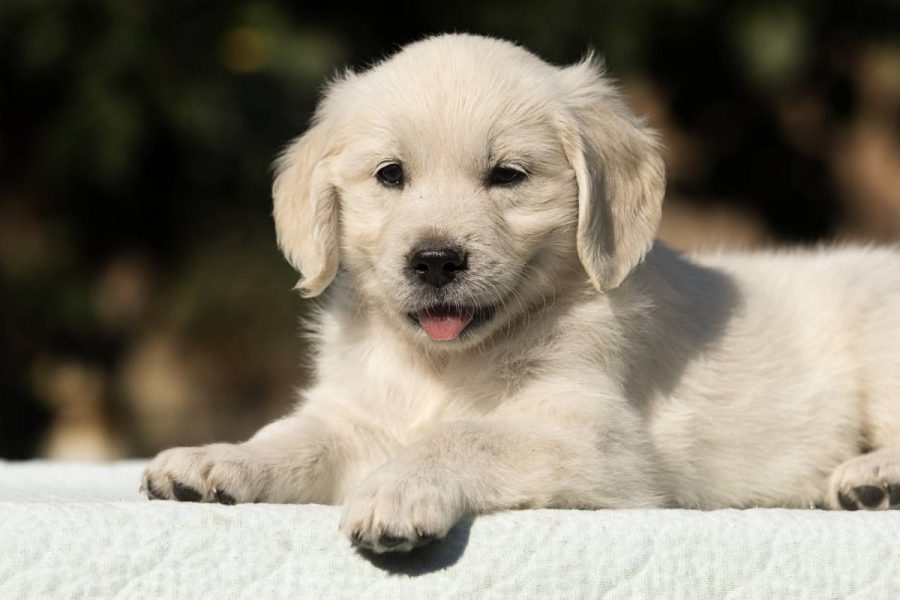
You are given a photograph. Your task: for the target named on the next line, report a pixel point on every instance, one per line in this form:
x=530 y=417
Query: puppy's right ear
x=306 y=209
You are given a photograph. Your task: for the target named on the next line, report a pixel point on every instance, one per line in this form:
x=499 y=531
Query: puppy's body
x=783 y=373
x=555 y=360
x=768 y=371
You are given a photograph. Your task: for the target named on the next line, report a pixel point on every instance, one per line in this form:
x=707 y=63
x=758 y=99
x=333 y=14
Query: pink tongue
x=445 y=325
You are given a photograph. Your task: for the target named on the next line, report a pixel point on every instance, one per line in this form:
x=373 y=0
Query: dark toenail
x=224 y=498
x=894 y=494
x=869 y=495
x=425 y=538
x=846 y=502
x=389 y=541
x=356 y=538
x=185 y=493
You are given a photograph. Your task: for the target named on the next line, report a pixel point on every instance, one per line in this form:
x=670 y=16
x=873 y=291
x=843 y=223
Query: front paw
x=223 y=473
x=396 y=509
x=868 y=482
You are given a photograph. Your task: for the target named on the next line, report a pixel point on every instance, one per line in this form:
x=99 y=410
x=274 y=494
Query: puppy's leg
x=869 y=482
x=295 y=459
x=476 y=467
x=872 y=481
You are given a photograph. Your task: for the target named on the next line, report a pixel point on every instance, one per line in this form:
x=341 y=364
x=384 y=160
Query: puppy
x=499 y=330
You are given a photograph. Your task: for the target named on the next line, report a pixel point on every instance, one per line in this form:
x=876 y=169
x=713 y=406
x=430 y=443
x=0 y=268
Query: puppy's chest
x=417 y=398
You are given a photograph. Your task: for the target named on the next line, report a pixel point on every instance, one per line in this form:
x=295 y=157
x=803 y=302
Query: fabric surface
x=79 y=530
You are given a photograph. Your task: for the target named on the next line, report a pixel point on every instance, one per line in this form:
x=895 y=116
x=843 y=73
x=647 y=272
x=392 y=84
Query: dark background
x=144 y=303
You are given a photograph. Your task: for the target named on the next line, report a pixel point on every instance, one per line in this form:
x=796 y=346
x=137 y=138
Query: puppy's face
x=458 y=205
x=454 y=184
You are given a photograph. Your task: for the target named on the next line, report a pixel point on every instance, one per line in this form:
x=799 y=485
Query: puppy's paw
x=223 y=473
x=396 y=509
x=867 y=482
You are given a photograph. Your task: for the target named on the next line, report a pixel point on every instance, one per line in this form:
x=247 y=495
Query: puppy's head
x=464 y=182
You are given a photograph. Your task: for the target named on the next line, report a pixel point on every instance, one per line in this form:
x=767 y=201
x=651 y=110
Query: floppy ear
x=619 y=173
x=306 y=210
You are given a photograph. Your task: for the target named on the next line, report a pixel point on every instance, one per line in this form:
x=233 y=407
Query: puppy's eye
x=505 y=176
x=390 y=175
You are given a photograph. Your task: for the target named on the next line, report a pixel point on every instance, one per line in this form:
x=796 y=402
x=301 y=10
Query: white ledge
x=81 y=530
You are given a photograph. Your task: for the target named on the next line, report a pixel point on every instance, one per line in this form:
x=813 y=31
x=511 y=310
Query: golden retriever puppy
x=499 y=330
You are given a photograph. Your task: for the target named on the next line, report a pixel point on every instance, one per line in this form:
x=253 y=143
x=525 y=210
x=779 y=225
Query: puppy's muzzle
x=437 y=266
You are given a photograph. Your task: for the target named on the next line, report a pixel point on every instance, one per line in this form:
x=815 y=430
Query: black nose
x=437 y=266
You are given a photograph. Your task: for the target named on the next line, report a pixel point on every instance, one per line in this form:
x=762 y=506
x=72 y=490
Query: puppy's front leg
x=475 y=467
x=291 y=460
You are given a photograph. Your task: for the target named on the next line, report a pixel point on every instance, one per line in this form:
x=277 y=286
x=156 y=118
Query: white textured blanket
x=75 y=530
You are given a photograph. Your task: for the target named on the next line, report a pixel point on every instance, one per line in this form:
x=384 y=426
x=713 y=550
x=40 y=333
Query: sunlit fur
x=614 y=373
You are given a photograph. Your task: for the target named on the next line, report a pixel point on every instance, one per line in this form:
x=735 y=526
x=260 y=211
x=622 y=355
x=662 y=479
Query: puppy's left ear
x=619 y=173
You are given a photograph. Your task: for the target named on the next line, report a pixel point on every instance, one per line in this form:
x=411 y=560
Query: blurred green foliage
x=146 y=129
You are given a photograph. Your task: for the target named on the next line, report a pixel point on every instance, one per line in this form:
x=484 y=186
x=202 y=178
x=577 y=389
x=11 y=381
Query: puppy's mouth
x=443 y=323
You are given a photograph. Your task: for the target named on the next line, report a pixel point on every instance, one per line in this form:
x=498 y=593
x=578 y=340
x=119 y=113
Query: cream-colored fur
x=614 y=372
